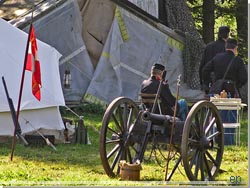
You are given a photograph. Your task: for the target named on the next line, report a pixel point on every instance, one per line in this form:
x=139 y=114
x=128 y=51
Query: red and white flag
x=33 y=65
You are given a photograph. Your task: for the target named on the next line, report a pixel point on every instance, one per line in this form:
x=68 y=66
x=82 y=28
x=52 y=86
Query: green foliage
x=82 y=109
x=196 y=11
x=93 y=108
x=227 y=12
x=224 y=14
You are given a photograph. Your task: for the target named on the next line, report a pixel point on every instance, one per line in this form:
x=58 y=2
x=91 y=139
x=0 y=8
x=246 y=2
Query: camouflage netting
x=180 y=19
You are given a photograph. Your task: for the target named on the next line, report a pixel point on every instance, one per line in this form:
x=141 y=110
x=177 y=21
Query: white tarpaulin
x=42 y=114
x=62 y=29
x=133 y=44
x=131 y=49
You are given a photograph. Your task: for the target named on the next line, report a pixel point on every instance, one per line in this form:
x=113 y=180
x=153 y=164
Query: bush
x=81 y=109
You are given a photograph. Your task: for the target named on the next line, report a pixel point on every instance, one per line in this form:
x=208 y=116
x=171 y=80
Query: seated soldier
x=150 y=86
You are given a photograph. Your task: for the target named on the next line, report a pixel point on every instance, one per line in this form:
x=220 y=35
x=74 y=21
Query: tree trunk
x=242 y=29
x=241 y=19
x=162 y=12
x=208 y=8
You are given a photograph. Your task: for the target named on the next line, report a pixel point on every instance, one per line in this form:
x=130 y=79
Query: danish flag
x=33 y=65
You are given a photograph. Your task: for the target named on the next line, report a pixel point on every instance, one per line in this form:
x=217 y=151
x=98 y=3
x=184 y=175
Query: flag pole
x=21 y=86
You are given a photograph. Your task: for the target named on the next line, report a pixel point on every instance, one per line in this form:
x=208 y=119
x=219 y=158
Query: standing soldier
x=211 y=50
x=235 y=78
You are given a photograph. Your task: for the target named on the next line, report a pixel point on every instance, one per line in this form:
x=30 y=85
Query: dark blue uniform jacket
x=237 y=71
x=168 y=100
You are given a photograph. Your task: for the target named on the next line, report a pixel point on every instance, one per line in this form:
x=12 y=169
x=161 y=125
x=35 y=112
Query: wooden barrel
x=130 y=171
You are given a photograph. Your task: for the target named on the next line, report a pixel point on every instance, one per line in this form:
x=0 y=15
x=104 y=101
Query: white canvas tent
x=43 y=115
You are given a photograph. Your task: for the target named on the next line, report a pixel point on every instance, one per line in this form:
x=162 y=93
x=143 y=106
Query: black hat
x=224 y=29
x=158 y=67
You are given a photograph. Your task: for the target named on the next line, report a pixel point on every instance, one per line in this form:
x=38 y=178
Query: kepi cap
x=224 y=29
x=157 y=66
x=232 y=41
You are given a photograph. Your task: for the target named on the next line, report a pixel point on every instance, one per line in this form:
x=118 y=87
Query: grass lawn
x=80 y=164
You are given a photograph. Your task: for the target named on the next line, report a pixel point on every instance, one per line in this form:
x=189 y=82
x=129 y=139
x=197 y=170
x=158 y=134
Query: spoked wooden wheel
x=115 y=144
x=202 y=142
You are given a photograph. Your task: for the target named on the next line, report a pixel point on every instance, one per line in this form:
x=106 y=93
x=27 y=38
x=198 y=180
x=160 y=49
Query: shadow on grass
x=81 y=155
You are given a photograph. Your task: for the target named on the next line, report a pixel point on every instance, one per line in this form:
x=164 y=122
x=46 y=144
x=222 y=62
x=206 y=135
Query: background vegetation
x=209 y=15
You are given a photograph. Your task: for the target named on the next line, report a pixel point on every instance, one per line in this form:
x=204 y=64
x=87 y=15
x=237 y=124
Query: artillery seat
x=148 y=100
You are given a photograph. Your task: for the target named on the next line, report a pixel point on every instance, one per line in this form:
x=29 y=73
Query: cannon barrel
x=148 y=116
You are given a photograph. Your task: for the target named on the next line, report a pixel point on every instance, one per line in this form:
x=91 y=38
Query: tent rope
x=81 y=117
x=45 y=138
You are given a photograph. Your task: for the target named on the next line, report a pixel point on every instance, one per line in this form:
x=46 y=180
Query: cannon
x=129 y=130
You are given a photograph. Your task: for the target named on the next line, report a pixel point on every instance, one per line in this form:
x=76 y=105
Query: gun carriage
x=129 y=130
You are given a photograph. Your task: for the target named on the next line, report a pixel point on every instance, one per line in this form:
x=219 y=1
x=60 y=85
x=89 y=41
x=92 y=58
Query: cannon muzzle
x=148 y=116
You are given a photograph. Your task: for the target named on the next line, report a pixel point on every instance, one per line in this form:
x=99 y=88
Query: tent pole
x=21 y=86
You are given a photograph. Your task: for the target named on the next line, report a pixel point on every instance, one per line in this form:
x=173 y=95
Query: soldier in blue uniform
x=235 y=78
x=151 y=85
x=212 y=49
